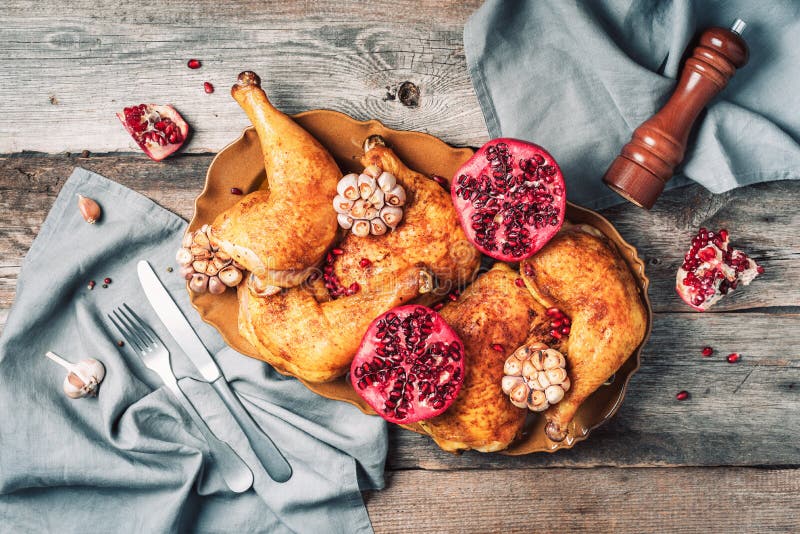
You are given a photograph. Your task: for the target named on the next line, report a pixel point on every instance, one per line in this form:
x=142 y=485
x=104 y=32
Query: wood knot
x=408 y=94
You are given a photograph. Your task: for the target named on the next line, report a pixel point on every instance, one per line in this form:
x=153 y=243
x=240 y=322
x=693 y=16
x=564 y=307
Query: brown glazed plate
x=240 y=165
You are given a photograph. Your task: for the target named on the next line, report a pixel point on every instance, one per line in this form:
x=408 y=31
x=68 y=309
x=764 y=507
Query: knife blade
x=171 y=316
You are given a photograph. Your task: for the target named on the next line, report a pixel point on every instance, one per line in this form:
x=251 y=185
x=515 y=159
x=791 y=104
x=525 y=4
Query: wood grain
x=594 y=500
x=29 y=184
x=71 y=65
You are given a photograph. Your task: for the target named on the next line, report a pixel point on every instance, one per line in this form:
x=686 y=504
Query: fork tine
x=144 y=326
x=122 y=318
x=126 y=334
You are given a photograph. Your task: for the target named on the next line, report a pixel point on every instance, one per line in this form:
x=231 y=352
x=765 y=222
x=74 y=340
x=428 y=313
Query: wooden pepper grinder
x=648 y=161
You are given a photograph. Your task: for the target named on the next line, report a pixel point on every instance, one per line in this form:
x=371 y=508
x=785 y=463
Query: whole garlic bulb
x=535 y=377
x=370 y=202
x=207 y=268
x=83 y=378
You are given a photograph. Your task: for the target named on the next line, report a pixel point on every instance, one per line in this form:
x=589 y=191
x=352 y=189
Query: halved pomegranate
x=510 y=198
x=158 y=130
x=711 y=269
x=410 y=365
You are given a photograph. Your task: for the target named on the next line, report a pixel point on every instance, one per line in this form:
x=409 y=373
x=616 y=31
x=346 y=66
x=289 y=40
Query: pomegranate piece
x=711 y=269
x=510 y=198
x=410 y=365
x=158 y=130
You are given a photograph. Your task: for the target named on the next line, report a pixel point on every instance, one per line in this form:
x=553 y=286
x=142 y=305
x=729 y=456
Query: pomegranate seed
x=236 y=191
x=553 y=312
x=194 y=64
x=519 y=282
x=337 y=252
x=682 y=395
x=566 y=321
x=708 y=351
x=555 y=333
x=106 y=280
x=760 y=269
x=557 y=323
x=208 y=88
x=452 y=296
x=565 y=330
x=438 y=306
x=354 y=287
x=733 y=357
x=91 y=284
x=364 y=263
x=498 y=347
x=329 y=258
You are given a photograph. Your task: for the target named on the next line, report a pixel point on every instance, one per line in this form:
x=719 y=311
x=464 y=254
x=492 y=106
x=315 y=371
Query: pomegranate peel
x=711 y=269
x=159 y=130
x=410 y=365
x=510 y=198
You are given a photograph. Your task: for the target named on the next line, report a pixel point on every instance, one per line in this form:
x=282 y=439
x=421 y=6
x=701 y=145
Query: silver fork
x=155 y=356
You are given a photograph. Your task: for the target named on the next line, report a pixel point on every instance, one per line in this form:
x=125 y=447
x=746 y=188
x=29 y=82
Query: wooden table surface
x=726 y=460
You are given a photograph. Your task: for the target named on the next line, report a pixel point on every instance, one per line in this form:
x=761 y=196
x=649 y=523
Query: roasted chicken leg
x=280 y=232
x=492 y=312
x=582 y=274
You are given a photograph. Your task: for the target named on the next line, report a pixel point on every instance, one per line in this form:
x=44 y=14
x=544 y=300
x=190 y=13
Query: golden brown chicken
x=583 y=275
x=492 y=311
x=280 y=232
x=302 y=332
x=429 y=233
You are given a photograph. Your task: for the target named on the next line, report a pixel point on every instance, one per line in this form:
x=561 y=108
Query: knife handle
x=271 y=458
x=234 y=471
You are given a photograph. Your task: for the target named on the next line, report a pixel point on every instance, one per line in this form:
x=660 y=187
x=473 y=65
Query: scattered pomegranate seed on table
x=91 y=284
x=193 y=64
x=441 y=180
x=208 y=87
x=236 y=191
x=682 y=395
x=519 y=282
x=364 y=263
x=106 y=280
x=707 y=351
x=498 y=347
x=120 y=343
x=733 y=357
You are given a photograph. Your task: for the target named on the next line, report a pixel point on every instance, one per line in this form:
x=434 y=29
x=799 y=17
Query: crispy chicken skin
x=493 y=310
x=581 y=273
x=316 y=341
x=429 y=233
x=282 y=230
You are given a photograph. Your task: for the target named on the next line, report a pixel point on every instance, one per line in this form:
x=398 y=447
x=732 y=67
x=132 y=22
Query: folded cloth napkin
x=579 y=77
x=130 y=460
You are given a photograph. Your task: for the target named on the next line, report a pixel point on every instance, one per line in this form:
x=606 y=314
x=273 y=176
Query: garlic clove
x=371 y=212
x=83 y=378
x=396 y=196
x=187 y=272
x=200 y=253
x=538 y=402
x=366 y=185
x=543 y=380
x=508 y=383
x=360 y=228
x=222 y=257
x=219 y=262
x=184 y=257
x=377 y=198
x=215 y=286
x=528 y=370
x=188 y=239
x=553 y=359
x=348 y=186
x=554 y=394
x=566 y=384
x=512 y=367
x=377 y=227
x=199 y=283
x=90 y=210
x=200 y=265
x=345 y=221
x=536 y=359
x=387 y=181
x=533 y=382
x=230 y=276
x=341 y=204
x=557 y=375
x=372 y=170
x=359 y=209
x=201 y=240
x=211 y=269
x=391 y=215
x=519 y=394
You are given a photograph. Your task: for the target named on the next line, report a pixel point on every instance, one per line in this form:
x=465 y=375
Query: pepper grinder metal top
x=648 y=161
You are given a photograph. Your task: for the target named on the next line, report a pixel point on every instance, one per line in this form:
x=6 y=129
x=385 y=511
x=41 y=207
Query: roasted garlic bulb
x=535 y=377
x=205 y=266
x=369 y=203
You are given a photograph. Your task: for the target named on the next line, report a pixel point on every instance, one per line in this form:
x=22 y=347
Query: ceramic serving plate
x=240 y=165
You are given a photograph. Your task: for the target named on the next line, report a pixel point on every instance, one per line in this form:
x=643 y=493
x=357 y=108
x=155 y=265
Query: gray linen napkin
x=130 y=460
x=579 y=77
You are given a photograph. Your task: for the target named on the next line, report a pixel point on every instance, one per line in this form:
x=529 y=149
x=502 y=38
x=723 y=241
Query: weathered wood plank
x=29 y=185
x=75 y=64
x=596 y=500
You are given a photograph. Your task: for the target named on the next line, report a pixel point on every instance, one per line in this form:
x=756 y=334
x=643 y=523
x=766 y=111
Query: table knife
x=179 y=328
